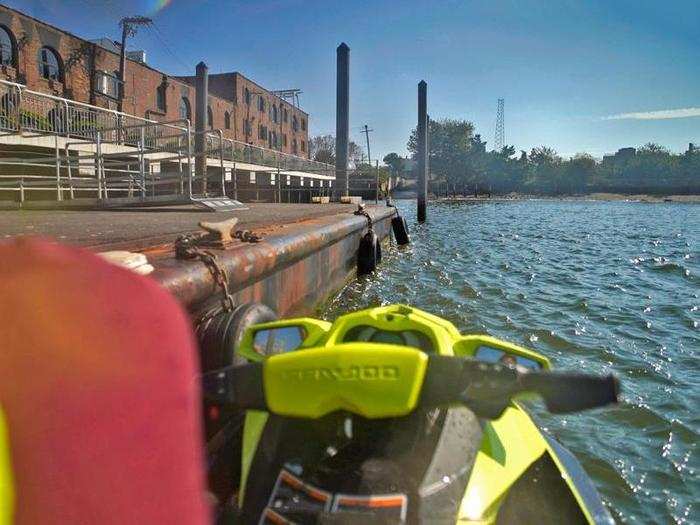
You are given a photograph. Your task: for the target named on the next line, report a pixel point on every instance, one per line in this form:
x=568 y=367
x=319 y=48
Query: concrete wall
x=292 y=272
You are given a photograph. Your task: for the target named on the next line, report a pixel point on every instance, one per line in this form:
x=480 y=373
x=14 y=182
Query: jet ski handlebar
x=485 y=388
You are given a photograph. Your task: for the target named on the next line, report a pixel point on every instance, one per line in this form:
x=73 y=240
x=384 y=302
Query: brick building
x=53 y=61
x=259 y=116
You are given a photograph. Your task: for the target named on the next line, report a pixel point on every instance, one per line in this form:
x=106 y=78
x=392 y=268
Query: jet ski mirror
x=489 y=349
x=489 y=354
x=278 y=340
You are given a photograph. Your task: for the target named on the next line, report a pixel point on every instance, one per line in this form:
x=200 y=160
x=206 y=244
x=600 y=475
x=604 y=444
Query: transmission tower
x=500 y=139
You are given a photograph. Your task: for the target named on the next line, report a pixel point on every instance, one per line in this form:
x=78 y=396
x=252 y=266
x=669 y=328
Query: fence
x=29 y=112
x=158 y=167
x=105 y=169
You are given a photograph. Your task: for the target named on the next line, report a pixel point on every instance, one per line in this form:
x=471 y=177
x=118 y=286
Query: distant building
x=623 y=154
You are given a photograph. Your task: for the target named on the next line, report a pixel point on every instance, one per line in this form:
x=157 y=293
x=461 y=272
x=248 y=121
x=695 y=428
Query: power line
x=161 y=38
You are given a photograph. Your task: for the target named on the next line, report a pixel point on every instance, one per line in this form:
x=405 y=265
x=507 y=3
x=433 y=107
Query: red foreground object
x=97 y=384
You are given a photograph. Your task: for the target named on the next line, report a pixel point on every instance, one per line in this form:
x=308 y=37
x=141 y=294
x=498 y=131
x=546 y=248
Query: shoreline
x=606 y=197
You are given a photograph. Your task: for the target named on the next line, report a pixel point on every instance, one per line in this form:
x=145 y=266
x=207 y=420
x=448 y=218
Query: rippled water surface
x=596 y=286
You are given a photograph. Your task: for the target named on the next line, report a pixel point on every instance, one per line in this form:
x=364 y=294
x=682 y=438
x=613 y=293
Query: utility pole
x=128 y=25
x=367 y=131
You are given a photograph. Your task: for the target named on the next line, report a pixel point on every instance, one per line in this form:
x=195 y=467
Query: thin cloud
x=662 y=114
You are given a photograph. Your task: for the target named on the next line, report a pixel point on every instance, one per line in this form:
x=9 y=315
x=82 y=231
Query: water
x=595 y=286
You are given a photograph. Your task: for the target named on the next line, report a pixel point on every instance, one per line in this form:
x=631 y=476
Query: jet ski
x=390 y=415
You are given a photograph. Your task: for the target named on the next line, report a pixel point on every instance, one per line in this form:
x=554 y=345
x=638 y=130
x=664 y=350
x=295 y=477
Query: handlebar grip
x=236 y=386
x=566 y=392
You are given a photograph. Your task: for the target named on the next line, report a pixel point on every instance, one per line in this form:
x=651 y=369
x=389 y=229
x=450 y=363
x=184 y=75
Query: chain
x=362 y=211
x=186 y=248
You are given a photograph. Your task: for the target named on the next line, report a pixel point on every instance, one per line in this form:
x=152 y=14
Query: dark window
x=284 y=140
x=247 y=96
x=285 y=115
x=50 y=64
x=210 y=118
x=303 y=124
x=274 y=113
x=294 y=145
x=246 y=127
x=7 y=47
x=185 y=112
x=227 y=120
x=295 y=123
x=160 y=97
x=261 y=104
x=303 y=146
x=262 y=132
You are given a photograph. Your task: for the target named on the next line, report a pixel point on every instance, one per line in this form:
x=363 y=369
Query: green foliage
x=458 y=157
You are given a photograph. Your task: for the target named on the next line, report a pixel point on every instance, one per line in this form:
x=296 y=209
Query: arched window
x=247 y=96
x=303 y=124
x=295 y=123
x=261 y=104
x=285 y=115
x=50 y=64
x=185 y=112
x=227 y=120
x=210 y=118
x=7 y=47
x=161 y=97
x=274 y=113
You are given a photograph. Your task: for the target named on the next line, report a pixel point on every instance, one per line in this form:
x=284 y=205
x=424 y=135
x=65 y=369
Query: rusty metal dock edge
x=291 y=271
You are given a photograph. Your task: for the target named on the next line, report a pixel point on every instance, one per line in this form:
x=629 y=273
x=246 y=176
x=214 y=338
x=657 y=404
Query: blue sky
x=577 y=76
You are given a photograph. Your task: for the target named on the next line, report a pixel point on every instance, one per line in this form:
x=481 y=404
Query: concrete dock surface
x=139 y=229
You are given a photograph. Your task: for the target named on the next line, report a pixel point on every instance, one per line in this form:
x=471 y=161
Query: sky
x=578 y=76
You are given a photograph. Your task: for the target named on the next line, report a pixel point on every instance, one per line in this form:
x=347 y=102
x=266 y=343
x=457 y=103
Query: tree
x=449 y=144
x=395 y=163
x=322 y=148
x=579 y=172
x=355 y=154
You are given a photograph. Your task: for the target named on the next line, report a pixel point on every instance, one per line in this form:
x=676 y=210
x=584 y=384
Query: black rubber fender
x=400 y=229
x=220 y=335
x=367 y=254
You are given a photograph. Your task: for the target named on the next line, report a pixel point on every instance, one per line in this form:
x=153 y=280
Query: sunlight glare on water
x=596 y=286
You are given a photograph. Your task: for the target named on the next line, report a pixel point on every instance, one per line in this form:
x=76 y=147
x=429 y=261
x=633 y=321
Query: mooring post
x=200 y=124
x=422 y=153
x=342 y=119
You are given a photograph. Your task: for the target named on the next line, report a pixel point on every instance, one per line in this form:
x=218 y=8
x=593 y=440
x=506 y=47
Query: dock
x=306 y=252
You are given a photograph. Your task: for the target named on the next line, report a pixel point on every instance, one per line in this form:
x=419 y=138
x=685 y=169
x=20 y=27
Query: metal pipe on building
x=342 y=119
x=200 y=123
x=422 y=153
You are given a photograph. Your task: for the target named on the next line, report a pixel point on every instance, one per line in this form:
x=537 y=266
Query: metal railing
x=157 y=167
x=25 y=112
x=103 y=170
